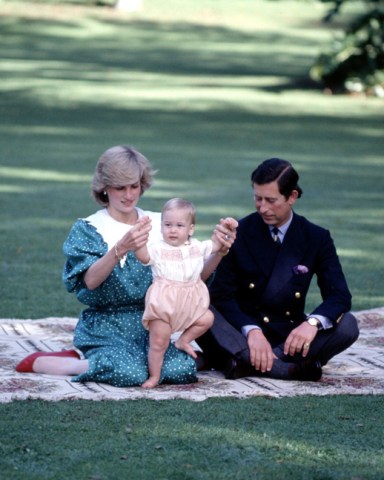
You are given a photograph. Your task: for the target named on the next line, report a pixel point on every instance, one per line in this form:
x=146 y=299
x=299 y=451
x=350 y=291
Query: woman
x=102 y=270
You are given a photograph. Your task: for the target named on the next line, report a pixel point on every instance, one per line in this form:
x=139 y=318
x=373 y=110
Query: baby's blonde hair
x=181 y=204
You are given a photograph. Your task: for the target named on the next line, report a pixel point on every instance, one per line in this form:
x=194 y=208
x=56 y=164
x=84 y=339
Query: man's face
x=273 y=207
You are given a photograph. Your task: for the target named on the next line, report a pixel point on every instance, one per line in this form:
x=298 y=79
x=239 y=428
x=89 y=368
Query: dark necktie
x=276 y=238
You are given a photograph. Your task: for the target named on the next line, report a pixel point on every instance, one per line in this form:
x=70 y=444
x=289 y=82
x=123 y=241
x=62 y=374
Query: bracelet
x=117 y=256
x=223 y=254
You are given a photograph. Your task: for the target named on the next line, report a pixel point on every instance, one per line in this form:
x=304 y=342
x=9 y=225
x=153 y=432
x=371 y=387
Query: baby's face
x=176 y=227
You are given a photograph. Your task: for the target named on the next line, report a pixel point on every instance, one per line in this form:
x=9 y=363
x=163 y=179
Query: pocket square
x=300 y=269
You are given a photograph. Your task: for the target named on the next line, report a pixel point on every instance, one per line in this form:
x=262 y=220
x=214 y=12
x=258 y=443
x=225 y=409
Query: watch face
x=313 y=321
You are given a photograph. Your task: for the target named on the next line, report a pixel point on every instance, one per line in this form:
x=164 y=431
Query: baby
x=177 y=300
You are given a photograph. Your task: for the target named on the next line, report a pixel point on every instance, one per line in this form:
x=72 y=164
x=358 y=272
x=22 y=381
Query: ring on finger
x=227 y=237
x=306 y=345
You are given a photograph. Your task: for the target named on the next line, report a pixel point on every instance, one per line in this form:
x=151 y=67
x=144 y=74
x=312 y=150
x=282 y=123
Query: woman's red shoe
x=26 y=365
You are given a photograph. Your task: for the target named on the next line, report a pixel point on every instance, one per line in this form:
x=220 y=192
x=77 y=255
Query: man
x=260 y=288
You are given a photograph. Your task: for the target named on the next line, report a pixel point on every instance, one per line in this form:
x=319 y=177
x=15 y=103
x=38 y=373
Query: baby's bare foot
x=186 y=347
x=151 y=382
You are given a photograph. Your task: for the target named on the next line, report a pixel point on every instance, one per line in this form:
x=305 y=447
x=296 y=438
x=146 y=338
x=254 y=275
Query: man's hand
x=300 y=339
x=224 y=235
x=260 y=351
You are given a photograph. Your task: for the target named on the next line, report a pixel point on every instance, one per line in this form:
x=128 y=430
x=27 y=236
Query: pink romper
x=177 y=295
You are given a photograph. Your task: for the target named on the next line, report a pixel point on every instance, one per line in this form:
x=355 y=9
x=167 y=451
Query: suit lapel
x=290 y=254
x=259 y=245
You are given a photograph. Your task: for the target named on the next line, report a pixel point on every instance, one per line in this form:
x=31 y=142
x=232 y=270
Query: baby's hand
x=224 y=234
x=143 y=222
x=230 y=223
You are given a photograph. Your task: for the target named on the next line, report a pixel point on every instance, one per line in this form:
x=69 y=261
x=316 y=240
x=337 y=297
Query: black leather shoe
x=308 y=370
x=237 y=369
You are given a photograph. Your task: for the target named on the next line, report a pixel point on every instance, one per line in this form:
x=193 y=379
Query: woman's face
x=122 y=202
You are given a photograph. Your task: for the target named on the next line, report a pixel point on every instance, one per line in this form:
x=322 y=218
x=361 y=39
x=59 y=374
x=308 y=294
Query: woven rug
x=358 y=371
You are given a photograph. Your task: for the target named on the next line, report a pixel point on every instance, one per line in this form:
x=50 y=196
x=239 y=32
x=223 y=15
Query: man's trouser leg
x=222 y=342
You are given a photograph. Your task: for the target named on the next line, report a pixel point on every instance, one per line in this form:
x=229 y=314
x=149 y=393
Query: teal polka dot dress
x=109 y=332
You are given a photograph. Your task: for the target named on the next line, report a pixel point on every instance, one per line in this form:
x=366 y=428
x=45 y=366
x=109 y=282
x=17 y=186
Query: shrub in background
x=355 y=62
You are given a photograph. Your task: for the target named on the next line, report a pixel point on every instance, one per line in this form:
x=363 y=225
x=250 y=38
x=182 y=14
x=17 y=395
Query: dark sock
x=280 y=369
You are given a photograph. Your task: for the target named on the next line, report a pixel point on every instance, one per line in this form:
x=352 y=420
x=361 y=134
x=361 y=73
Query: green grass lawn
x=207 y=90
x=291 y=439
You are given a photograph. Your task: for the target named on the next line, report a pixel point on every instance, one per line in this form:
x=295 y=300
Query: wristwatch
x=314 y=322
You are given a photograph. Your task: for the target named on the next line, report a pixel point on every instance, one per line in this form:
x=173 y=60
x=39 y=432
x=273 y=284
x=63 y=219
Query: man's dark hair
x=276 y=169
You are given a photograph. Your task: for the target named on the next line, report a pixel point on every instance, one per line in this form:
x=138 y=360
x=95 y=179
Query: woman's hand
x=136 y=238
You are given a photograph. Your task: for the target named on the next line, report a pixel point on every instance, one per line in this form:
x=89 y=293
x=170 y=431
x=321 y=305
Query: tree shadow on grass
x=201 y=102
x=171 y=48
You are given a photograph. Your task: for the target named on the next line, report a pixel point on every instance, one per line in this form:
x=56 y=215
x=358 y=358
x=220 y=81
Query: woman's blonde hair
x=120 y=166
x=182 y=204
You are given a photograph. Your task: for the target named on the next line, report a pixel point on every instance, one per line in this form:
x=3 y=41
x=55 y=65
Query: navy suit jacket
x=258 y=284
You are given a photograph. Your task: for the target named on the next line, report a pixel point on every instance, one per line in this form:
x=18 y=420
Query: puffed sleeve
x=83 y=247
